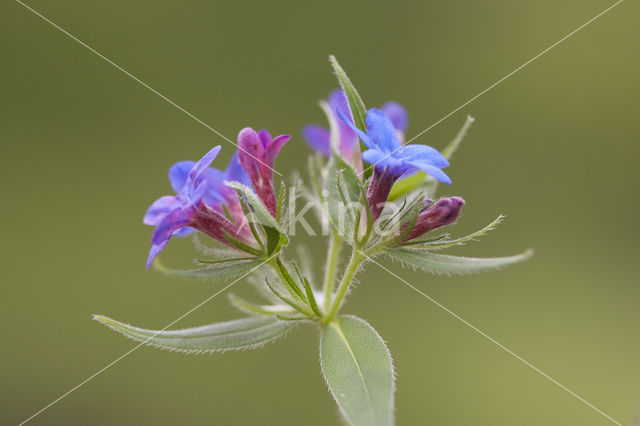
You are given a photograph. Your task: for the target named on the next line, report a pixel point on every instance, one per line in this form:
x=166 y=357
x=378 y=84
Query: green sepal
x=275 y=239
x=286 y=300
x=288 y=279
x=280 y=204
x=252 y=309
x=342 y=187
x=259 y=209
x=239 y=244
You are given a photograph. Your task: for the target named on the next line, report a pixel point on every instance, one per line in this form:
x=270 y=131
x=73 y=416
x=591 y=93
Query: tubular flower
x=390 y=159
x=200 y=200
x=443 y=212
x=257 y=152
x=319 y=137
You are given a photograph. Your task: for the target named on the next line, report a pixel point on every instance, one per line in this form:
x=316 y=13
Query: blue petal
x=318 y=138
x=202 y=165
x=381 y=131
x=437 y=173
x=235 y=172
x=178 y=174
x=382 y=160
x=363 y=136
x=175 y=220
x=397 y=114
x=183 y=232
x=159 y=209
x=423 y=154
x=153 y=252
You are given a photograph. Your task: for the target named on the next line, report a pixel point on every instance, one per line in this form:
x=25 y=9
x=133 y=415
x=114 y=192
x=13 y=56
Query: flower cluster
x=205 y=202
x=377 y=194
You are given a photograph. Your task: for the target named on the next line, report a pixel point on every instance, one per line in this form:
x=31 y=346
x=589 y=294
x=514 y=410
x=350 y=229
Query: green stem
x=347 y=278
x=335 y=241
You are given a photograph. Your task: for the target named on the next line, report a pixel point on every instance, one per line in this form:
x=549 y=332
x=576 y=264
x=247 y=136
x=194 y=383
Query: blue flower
x=386 y=152
x=198 y=203
x=319 y=137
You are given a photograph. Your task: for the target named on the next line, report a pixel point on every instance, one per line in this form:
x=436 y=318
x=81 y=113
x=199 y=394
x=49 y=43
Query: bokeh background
x=85 y=149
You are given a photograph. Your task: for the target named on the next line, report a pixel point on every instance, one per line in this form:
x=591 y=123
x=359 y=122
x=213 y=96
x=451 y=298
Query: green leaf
x=274 y=239
x=358 y=109
x=343 y=188
x=402 y=186
x=448 y=151
x=358 y=369
x=214 y=271
x=442 y=243
x=260 y=211
x=447 y=264
x=243 y=333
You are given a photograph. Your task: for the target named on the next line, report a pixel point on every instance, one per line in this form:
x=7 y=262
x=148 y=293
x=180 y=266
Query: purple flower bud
x=443 y=212
x=257 y=152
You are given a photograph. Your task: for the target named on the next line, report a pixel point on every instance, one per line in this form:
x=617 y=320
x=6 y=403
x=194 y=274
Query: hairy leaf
x=358 y=109
x=442 y=243
x=448 y=151
x=214 y=271
x=447 y=264
x=231 y=335
x=358 y=369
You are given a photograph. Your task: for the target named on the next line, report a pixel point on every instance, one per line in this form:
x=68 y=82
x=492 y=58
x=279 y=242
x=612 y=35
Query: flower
x=390 y=159
x=398 y=116
x=257 y=152
x=199 y=204
x=443 y=212
x=319 y=137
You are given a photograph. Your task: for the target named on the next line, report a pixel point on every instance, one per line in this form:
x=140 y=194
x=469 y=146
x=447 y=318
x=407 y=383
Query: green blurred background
x=85 y=149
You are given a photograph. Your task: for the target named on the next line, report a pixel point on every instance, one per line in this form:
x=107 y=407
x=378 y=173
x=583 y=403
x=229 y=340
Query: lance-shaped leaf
x=238 y=334
x=342 y=188
x=214 y=271
x=447 y=264
x=358 y=109
x=446 y=242
x=358 y=369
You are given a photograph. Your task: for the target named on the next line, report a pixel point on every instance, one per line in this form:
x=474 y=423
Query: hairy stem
x=335 y=241
x=356 y=259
